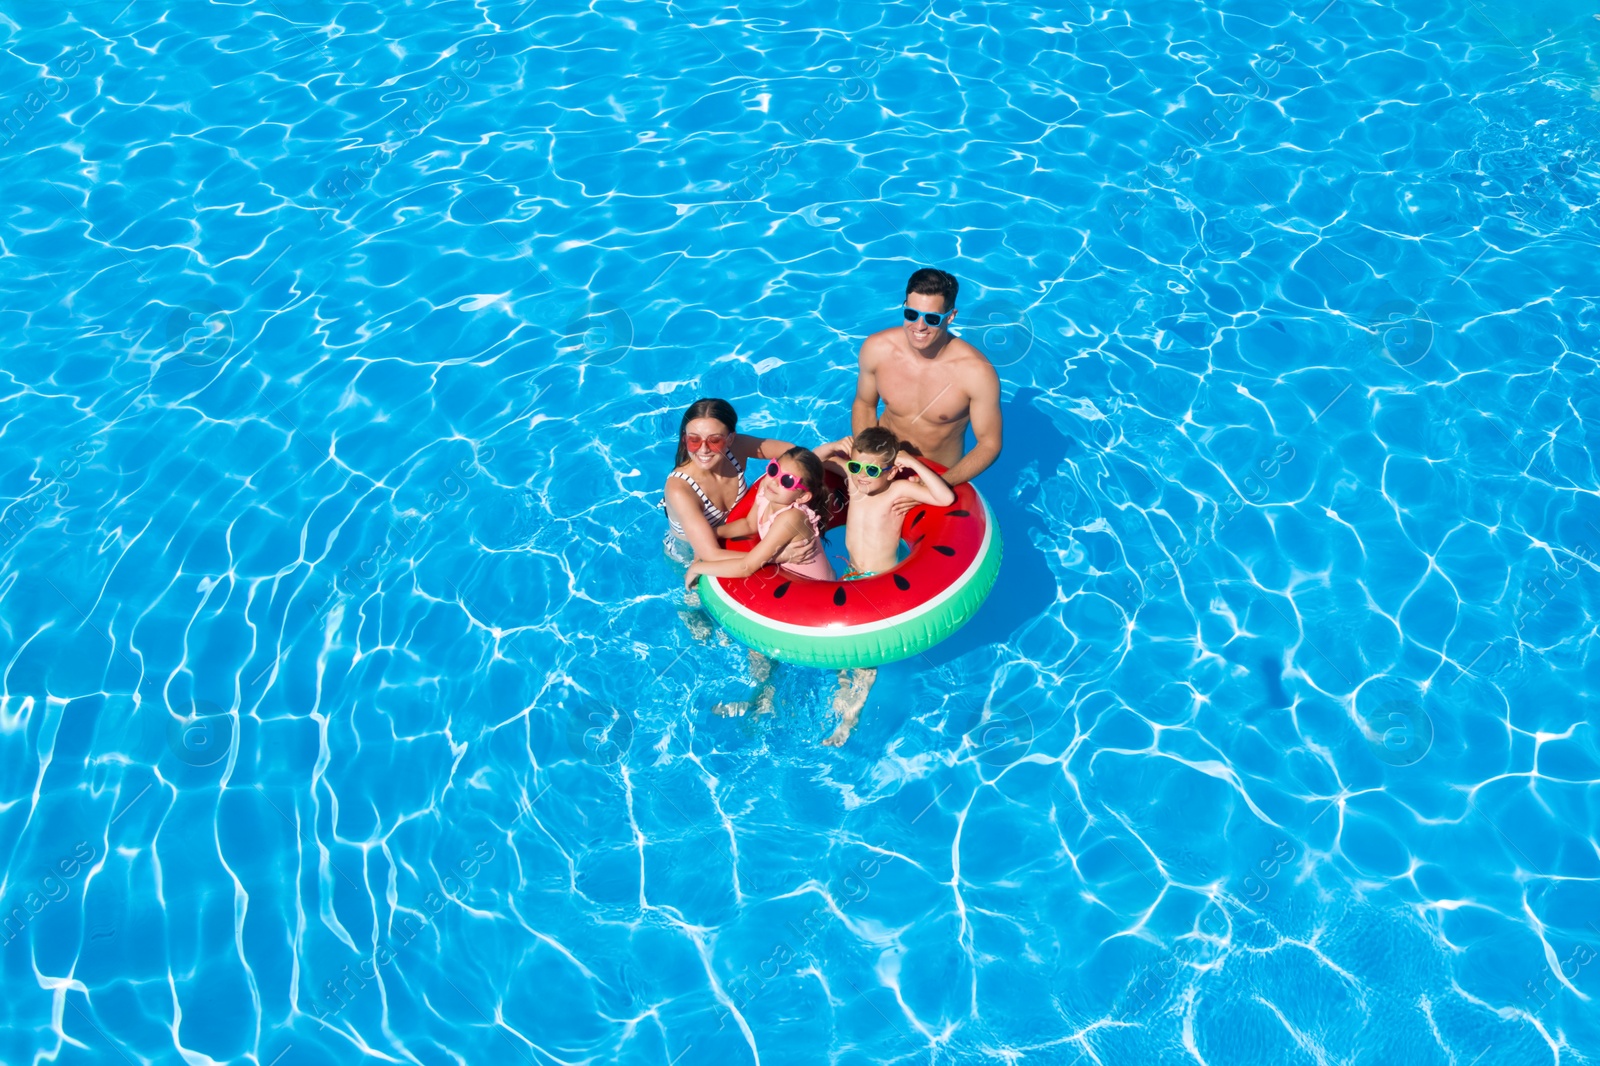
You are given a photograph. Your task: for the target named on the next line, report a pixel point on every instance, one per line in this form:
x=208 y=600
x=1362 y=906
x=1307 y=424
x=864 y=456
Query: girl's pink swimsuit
x=803 y=558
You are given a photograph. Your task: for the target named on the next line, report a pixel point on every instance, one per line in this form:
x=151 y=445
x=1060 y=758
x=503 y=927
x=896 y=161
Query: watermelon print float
x=954 y=557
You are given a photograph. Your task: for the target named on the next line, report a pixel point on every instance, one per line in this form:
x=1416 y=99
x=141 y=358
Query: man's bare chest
x=926 y=394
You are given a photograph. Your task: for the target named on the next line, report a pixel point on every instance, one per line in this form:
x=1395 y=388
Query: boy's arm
x=834 y=453
x=931 y=489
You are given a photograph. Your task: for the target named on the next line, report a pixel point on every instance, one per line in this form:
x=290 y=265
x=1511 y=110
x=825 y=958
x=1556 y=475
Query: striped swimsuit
x=677 y=539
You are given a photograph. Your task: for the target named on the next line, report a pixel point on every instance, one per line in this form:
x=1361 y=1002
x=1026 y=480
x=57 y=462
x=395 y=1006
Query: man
x=932 y=383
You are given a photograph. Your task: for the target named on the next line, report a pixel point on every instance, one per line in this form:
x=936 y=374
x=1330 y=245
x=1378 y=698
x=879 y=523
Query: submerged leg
x=761 y=673
x=698 y=624
x=765 y=700
x=854 y=687
x=762 y=695
x=760 y=666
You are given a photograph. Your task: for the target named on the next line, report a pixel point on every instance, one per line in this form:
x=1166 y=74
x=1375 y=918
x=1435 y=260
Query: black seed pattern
x=920 y=516
x=838 y=596
x=780 y=590
x=959 y=514
x=901 y=583
x=944 y=549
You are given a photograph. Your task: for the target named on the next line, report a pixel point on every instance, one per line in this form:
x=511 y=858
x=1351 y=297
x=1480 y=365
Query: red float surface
x=944 y=543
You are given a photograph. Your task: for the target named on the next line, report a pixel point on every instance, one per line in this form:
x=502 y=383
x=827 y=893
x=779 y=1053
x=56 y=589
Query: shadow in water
x=1025 y=586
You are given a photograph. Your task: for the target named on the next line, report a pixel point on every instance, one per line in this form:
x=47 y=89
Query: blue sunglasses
x=929 y=317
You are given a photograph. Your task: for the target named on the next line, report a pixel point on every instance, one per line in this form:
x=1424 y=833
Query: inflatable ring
x=954 y=558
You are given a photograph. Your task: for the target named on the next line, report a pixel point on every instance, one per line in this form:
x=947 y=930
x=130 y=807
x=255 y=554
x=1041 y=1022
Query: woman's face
x=708 y=441
x=773 y=486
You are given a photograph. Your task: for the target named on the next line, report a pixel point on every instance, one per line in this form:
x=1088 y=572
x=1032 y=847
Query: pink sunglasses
x=788 y=481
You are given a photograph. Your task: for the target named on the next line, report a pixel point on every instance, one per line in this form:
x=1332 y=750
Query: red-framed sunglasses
x=694 y=440
x=788 y=481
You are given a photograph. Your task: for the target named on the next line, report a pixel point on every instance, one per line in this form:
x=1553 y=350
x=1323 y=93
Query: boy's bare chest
x=870 y=514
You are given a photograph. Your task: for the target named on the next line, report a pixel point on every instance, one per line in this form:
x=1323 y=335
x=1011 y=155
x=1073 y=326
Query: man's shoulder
x=967 y=360
x=882 y=343
x=965 y=352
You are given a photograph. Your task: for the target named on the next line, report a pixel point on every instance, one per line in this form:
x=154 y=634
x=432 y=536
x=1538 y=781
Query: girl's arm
x=931 y=489
x=739 y=527
x=748 y=447
x=685 y=506
x=788 y=526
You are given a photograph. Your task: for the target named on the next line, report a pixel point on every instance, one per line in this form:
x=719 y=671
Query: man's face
x=919 y=334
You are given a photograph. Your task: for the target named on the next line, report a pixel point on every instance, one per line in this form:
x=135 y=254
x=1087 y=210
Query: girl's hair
x=711 y=407
x=875 y=440
x=811 y=478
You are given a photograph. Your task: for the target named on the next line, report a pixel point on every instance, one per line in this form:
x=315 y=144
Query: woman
x=707 y=477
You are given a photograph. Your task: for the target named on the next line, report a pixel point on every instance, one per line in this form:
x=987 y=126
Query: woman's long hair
x=711 y=407
x=811 y=478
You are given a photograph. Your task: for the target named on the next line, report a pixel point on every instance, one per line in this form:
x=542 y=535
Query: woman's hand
x=691 y=577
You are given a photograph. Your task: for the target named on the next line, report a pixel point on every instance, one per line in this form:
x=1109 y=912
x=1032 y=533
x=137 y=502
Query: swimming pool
x=347 y=703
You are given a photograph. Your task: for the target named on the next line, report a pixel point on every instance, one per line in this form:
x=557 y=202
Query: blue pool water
x=348 y=707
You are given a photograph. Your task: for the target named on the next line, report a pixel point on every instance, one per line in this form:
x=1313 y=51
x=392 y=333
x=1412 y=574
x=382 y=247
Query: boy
x=878 y=502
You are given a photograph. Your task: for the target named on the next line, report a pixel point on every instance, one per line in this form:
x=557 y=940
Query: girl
x=707 y=476
x=788 y=515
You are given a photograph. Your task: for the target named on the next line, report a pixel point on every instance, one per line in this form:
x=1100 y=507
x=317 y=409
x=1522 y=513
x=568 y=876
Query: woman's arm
x=748 y=447
x=685 y=507
x=719 y=555
x=931 y=489
x=788 y=526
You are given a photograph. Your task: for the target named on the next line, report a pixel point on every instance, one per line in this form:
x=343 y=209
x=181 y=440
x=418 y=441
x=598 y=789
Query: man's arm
x=864 y=411
x=984 y=410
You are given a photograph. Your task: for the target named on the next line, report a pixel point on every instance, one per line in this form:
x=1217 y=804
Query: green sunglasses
x=872 y=471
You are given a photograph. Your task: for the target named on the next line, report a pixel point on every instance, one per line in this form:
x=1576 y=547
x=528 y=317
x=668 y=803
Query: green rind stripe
x=844 y=650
